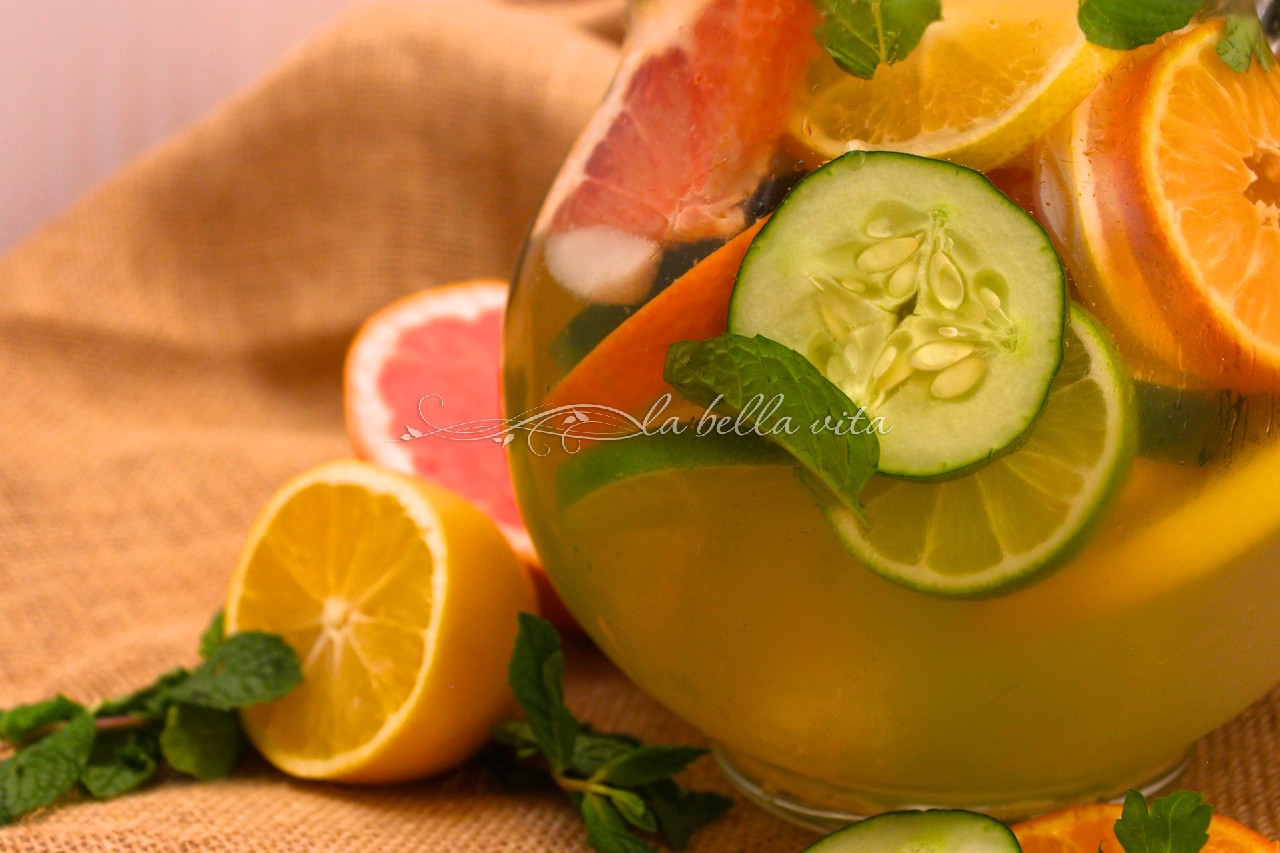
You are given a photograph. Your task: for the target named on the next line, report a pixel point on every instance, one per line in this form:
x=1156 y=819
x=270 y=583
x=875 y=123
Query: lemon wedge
x=983 y=84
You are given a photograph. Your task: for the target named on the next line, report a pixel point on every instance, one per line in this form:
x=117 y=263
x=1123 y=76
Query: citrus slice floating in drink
x=1197 y=167
x=600 y=466
x=400 y=599
x=684 y=138
x=981 y=86
x=1021 y=515
x=1091 y=828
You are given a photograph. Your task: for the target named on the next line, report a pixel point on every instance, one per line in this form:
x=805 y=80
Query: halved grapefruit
x=433 y=360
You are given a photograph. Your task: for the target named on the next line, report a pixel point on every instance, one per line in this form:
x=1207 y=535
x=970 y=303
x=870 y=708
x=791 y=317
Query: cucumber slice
x=1008 y=523
x=921 y=290
x=932 y=831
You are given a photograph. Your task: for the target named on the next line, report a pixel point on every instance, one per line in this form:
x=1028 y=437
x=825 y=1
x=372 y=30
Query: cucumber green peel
x=930 y=831
x=920 y=290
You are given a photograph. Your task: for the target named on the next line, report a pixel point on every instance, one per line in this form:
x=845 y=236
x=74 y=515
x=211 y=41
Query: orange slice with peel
x=1074 y=197
x=400 y=599
x=983 y=84
x=1197 y=171
x=1091 y=828
x=624 y=371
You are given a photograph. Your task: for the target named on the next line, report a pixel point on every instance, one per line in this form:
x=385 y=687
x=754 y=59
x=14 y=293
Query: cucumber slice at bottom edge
x=921 y=290
x=932 y=831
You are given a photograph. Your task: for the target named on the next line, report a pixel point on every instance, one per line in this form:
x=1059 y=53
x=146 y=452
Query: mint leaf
x=646 y=764
x=680 y=811
x=121 y=761
x=1126 y=24
x=862 y=35
x=1178 y=823
x=632 y=808
x=738 y=370
x=592 y=750
x=248 y=669
x=536 y=675
x=1244 y=41
x=149 y=703
x=214 y=636
x=18 y=724
x=43 y=771
x=202 y=742
x=606 y=829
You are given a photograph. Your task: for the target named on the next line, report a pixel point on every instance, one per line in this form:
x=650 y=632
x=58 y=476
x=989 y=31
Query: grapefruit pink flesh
x=685 y=136
x=432 y=360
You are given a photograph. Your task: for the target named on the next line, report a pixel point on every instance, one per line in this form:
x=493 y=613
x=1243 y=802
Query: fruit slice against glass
x=1176 y=234
x=985 y=82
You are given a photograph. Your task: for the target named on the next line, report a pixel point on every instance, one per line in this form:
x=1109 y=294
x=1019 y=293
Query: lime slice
x=996 y=529
x=621 y=459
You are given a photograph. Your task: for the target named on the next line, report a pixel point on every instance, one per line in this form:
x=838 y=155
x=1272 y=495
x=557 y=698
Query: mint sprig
x=185 y=719
x=735 y=372
x=862 y=35
x=1178 y=823
x=618 y=785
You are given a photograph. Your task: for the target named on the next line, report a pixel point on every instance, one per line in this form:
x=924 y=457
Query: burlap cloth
x=170 y=351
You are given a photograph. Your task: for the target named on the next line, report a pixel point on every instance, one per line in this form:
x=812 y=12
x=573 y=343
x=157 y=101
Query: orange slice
x=1088 y=829
x=1198 y=177
x=625 y=370
x=982 y=85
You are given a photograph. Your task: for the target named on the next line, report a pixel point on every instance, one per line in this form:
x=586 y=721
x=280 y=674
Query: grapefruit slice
x=684 y=137
x=1197 y=172
x=1091 y=829
x=436 y=355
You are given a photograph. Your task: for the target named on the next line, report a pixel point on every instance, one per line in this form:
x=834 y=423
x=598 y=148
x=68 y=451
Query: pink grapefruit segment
x=689 y=128
x=436 y=355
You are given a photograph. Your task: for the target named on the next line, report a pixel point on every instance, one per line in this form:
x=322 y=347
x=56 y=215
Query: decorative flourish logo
x=570 y=425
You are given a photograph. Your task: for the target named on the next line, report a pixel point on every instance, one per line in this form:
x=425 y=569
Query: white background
x=85 y=85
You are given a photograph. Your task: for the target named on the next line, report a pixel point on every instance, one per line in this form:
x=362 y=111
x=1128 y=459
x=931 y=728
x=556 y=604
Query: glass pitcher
x=1052 y=624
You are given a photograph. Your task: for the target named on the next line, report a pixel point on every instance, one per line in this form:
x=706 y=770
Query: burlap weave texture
x=170 y=351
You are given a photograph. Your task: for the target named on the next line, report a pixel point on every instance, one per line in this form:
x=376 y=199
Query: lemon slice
x=1026 y=512
x=983 y=84
x=400 y=599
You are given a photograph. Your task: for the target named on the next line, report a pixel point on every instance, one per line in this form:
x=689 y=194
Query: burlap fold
x=170 y=351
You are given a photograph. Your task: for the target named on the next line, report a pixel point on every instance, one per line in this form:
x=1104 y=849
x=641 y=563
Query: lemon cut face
x=400 y=599
x=983 y=84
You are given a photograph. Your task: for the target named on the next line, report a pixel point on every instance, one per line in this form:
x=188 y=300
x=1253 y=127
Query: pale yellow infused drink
x=1055 y=563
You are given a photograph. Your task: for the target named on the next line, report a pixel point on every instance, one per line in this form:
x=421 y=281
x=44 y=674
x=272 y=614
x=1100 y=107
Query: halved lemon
x=1023 y=514
x=983 y=84
x=400 y=599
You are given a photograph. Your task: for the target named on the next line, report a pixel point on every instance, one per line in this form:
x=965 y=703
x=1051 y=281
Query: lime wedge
x=1023 y=514
x=595 y=467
